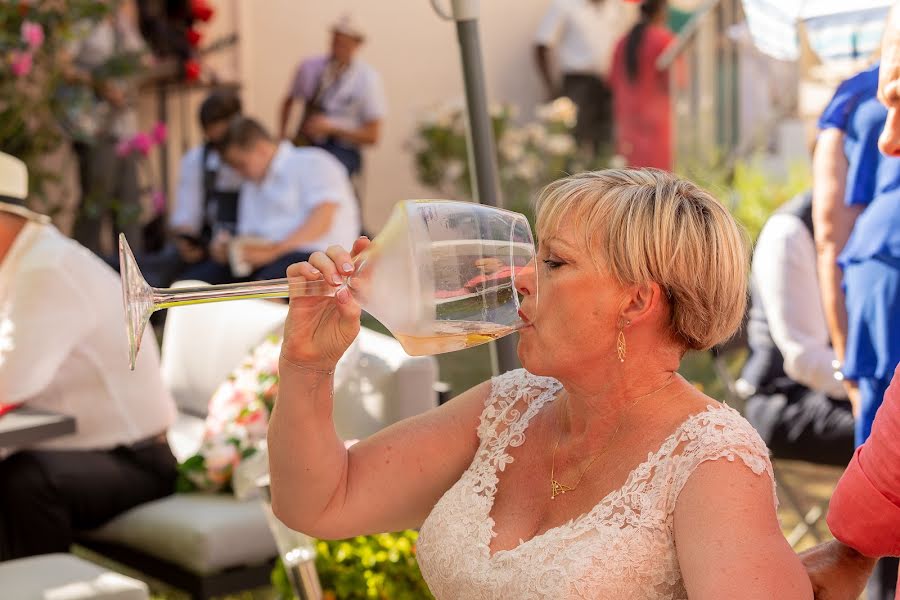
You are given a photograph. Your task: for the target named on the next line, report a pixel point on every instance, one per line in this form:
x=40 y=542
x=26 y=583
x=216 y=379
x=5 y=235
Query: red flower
x=192 y=70
x=194 y=37
x=201 y=10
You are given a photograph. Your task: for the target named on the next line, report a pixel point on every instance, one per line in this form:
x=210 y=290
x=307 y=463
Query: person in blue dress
x=857 y=216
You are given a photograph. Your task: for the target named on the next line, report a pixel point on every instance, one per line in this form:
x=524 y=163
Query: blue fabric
x=871 y=393
x=872 y=297
x=846 y=98
x=873 y=180
x=871 y=258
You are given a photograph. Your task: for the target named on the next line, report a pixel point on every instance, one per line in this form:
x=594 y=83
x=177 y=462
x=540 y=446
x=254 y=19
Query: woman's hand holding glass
x=318 y=330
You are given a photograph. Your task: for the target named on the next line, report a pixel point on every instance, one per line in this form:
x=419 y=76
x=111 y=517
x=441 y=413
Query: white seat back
x=202 y=344
x=376 y=382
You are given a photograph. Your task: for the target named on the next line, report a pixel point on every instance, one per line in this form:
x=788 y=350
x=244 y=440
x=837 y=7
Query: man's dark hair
x=219 y=106
x=243 y=132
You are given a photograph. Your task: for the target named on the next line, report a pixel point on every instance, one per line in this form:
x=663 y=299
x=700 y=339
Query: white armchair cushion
x=203 y=343
x=65 y=577
x=203 y=533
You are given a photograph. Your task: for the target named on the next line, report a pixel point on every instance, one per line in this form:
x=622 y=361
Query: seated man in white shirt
x=294 y=202
x=62 y=349
x=206 y=197
x=793 y=398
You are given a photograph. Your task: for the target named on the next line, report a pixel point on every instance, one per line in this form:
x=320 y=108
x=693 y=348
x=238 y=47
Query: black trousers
x=47 y=496
x=801 y=424
x=594 y=99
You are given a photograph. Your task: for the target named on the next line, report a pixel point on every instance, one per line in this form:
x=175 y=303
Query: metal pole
x=482 y=153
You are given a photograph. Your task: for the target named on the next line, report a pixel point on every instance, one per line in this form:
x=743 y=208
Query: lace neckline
x=639 y=472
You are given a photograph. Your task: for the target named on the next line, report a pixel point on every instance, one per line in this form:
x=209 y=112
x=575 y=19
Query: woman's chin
x=528 y=355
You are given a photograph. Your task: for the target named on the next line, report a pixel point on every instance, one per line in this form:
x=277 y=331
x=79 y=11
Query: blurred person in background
x=62 y=350
x=206 y=199
x=792 y=397
x=294 y=201
x=342 y=100
x=857 y=222
x=641 y=91
x=583 y=34
x=102 y=116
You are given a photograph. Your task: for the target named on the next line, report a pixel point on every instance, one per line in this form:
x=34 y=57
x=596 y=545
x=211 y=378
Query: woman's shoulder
x=518 y=383
x=720 y=429
x=716 y=433
x=516 y=394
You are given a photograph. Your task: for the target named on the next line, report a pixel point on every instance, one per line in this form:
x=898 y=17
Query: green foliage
x=749 y=190
x=381 y=566
x=32 y=98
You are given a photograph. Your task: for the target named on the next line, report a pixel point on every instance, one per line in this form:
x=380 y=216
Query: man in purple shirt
x=342 y=99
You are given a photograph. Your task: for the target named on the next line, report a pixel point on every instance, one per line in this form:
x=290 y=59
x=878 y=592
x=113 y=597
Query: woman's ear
x=642 y=301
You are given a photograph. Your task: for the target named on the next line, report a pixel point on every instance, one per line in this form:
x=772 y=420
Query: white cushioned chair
x=65 y=577
x=214 y=544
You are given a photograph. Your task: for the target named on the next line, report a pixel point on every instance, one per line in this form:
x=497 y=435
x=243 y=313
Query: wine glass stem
x=272 y=288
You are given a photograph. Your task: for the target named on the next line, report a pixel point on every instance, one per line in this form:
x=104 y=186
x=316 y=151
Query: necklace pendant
x=558 y=489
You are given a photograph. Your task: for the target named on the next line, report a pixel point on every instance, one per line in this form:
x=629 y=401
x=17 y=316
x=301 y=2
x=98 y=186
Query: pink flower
x=159 y=201
x=123 y=148
x=32 y=34
x=159 y=133
x=21 y=63
x=142 y=143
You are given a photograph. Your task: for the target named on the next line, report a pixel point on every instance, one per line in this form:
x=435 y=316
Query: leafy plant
x=32 y=37
x=747 y=188
x=529 y=155
x=381 y=566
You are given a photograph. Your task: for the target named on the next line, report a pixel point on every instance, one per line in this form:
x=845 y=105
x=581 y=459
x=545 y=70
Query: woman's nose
x=526 y=279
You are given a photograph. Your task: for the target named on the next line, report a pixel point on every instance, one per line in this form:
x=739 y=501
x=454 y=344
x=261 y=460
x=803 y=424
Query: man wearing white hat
x=342 y=98
x=62 y=349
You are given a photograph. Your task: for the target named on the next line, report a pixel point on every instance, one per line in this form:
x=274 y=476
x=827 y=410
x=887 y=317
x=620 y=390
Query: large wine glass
x=441 y=276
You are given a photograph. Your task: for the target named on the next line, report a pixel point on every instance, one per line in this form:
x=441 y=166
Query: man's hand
x=218 y=248
x=189 y=251
x=318 y=126
x=113 y=94
x=259 y=254
x=837 y=571
x=854 y=396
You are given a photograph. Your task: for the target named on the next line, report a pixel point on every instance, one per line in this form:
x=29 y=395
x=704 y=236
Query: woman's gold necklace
x=557 y=488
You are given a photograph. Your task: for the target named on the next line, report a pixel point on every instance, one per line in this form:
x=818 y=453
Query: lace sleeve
x=713 y=435
x=511 y=393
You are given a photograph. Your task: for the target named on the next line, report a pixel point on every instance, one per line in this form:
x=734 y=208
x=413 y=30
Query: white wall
x=416 y=53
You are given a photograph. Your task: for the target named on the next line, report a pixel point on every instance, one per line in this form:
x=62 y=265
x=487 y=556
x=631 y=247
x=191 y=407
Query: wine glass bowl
x=440 y=276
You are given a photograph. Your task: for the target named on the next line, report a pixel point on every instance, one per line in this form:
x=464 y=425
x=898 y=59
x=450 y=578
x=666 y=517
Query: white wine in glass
x=441 y=276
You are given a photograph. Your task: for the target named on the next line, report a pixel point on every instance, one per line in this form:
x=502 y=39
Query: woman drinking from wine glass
x=594 y=472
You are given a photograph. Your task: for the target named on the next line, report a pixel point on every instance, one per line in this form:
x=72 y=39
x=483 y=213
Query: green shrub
x=381 y=566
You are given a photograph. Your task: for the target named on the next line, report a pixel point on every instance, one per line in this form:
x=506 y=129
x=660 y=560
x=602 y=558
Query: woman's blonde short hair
x=647 y=225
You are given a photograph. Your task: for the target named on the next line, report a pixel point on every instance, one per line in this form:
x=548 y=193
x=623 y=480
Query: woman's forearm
x=307 y=459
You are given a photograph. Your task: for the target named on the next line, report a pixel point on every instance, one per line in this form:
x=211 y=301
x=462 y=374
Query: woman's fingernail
x=343 y=295
x=337 y=279
x=348 y=268
x=315 y=271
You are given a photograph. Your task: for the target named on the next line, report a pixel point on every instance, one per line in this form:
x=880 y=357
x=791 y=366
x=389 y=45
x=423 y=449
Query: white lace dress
x=623 y=548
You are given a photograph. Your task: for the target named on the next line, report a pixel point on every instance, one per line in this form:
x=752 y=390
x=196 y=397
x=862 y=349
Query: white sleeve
x=551 y=25
x=784 y=272
x=188 y=211
x=374 y=105
x=326 y=181
x=46 y=316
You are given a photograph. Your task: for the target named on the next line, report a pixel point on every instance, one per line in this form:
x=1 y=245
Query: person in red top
x=864 y=514
x=641 y=92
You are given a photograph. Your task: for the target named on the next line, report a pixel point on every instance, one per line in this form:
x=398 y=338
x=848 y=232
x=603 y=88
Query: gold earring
x=620 y=345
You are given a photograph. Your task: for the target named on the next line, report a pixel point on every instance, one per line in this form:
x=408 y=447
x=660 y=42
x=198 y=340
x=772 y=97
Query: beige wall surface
x=416 y=53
